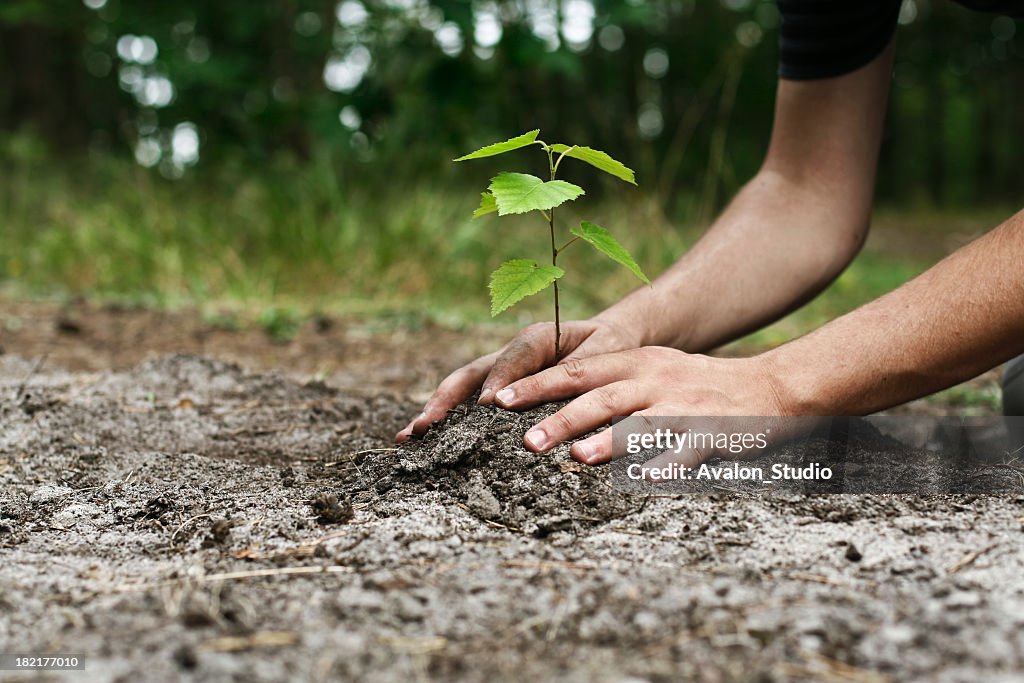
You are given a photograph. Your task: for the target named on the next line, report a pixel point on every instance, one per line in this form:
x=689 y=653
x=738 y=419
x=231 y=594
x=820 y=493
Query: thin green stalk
x=554 y=262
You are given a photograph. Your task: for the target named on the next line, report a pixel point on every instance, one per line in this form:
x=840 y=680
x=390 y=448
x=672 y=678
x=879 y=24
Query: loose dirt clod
x=476 y=457
x=329 y=510
x=852 y=553
x=219 y=533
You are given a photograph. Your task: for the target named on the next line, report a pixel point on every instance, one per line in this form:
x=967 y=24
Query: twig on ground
x=828 y=669
x=499 y=525
x=556 y=623
x=970 y=558
x=818 y=578
x=545 y=565
x=187 y=522
x=424 y=645
x=250 y=642
x=303 y=549
x=31 y=373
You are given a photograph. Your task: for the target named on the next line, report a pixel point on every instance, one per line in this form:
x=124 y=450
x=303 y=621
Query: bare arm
x=956 y=320
x=789 y=232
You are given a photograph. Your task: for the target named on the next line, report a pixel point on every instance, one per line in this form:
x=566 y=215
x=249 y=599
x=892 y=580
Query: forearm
x=791 y=230
x=958 y=319
x=778 y=244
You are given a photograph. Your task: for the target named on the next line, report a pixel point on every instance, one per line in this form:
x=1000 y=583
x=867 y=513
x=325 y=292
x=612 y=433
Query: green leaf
x=597 y=159
x=502 y=147
x=487 y=205
x=602 y=240
x=517 y=279
x=521 y=192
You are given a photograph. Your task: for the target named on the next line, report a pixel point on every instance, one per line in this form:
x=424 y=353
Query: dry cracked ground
x=185 y=518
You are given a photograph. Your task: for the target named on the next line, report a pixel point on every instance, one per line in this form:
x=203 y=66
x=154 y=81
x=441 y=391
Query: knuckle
x=562 y=423
x=573 y=368
x=647 y=354
x=643 y=423
x=534 y=331
x=607 y=398
x=526 y=386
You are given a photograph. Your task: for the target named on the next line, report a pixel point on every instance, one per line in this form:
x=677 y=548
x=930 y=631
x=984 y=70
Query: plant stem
x=554 y=262
x=553 y=167
x=567 y=245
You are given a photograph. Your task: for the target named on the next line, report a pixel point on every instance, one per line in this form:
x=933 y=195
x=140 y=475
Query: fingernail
x=586 y=451
x=506 y=396
x=485 y=396
x=537 y=439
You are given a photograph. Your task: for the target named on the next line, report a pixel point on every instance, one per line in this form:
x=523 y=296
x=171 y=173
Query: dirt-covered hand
x=649 y=381
x=529 y=352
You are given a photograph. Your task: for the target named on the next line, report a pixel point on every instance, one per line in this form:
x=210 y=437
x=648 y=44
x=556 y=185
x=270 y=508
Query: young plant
x=511 y=193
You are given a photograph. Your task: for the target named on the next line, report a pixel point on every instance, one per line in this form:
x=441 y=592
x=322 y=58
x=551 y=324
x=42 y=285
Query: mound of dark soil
x=476 y=457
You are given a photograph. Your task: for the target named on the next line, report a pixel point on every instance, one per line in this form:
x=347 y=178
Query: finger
x=593 y=409
x=532 y=349
x=589 y=345
x=700 y=448
x=601 y=447
x=687 y=457
x=571 y=378
x=453 y=390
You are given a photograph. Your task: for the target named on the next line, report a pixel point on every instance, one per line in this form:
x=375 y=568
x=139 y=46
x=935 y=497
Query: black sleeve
x=825 y=38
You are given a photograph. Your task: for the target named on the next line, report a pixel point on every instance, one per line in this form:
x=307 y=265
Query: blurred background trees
x=283 y=128
x=686 y=85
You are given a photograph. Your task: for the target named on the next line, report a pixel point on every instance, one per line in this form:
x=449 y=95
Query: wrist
x=629 y=322
x=649 y=322
x=798 y=385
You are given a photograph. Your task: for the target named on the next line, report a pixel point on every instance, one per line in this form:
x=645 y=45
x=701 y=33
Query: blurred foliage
x=295 y=153
x=681 y=89
x=289 y=242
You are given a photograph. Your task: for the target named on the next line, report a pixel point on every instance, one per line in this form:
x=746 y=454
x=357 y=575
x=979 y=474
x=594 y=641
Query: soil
x=180 y=517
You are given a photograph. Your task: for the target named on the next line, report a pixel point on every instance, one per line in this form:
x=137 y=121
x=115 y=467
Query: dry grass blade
x=817 y=578
x=422 y=646
x=186 y=523
x=304 y=549
x=250 y=642
x=822 y=668
x=546 y=565
x=970 y=558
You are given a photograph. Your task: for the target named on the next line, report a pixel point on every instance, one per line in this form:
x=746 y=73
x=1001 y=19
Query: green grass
x=868 y=277
x=291 y=240
x=289 y=237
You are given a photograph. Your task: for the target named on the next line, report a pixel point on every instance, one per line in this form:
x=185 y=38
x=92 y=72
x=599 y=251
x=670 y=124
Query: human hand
x=644 y=382
x=529 y=351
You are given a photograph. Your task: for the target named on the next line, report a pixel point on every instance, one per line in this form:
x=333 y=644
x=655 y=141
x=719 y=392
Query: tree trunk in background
x=42 y=73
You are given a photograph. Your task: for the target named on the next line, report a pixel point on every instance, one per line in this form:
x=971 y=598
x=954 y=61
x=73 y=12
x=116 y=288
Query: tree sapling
x=511 y=193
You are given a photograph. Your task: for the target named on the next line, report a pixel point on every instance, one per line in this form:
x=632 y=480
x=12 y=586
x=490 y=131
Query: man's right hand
x=531 y=351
